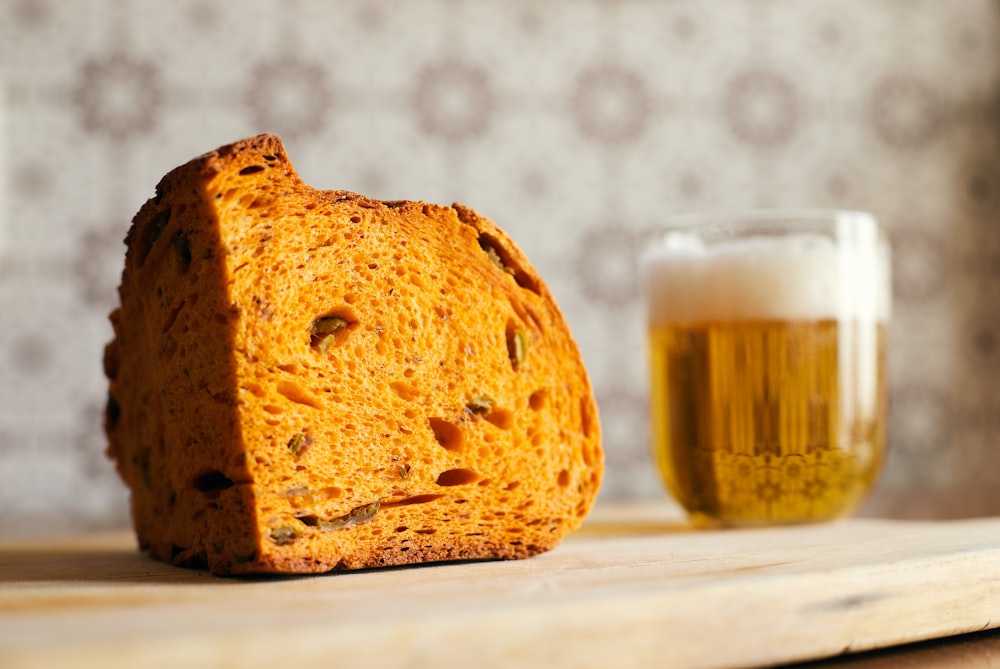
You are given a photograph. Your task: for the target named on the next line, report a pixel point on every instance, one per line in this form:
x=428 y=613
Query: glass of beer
x=767 y=351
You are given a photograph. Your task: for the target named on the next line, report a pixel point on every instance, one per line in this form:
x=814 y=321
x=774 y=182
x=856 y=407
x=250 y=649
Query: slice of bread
x=306 y=380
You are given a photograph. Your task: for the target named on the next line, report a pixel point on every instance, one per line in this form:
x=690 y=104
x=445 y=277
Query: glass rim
x=787 y=219
x=777 y=214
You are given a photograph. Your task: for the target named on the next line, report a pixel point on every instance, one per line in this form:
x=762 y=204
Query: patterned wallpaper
x=573 y=124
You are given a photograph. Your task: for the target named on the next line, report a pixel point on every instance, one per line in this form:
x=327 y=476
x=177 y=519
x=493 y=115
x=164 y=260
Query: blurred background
x=573 y=124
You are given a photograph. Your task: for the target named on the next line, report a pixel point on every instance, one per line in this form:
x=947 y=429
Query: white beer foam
x=791 y=277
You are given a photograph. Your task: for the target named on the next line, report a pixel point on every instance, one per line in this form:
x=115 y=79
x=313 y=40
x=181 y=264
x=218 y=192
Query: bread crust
x=306 y=380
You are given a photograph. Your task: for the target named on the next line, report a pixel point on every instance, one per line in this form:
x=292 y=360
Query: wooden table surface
x=634 y=587
x=978 y=650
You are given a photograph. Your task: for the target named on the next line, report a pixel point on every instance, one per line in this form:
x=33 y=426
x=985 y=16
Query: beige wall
x=572 y=124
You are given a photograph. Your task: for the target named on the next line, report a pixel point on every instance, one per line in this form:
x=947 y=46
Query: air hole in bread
x=502 y=258
x=588 y=455
x=405 y=390
x=181 y=246
x=212 y=482
x=512 y=485
x=461 y=476
x=297 y=394
x=112 y=412
x=563 y=478
x=331 y=492
x=412 y=499
x=587 y=419
x=172 y=317
x=447 y=434
x=502 y=418
x=251 y=169
x=537 y=399
x=254 y=389
x=332 y=328
x=417 y=280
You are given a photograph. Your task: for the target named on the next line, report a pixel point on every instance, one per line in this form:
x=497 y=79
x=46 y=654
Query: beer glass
x=767 y=353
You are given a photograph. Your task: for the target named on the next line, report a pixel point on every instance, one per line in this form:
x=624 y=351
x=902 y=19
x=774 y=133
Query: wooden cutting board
x=633 y=587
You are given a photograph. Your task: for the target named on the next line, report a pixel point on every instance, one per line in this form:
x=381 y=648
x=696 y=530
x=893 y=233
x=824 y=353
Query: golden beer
x=761 y=421
x=767 y=348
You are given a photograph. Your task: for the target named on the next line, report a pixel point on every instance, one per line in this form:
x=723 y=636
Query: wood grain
x=633 y=587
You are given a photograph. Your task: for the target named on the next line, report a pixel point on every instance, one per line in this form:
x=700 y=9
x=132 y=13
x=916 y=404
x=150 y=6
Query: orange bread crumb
x=306 y=380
